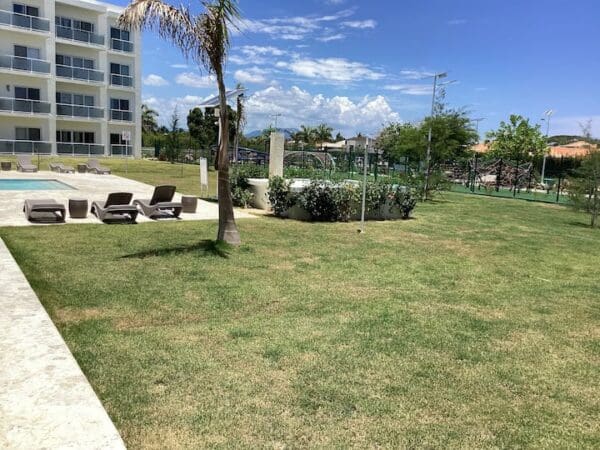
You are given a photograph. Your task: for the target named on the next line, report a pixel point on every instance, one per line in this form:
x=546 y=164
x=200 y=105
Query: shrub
x=238 y=179
x=406 y=200
x=328 y=203
x=279 y=195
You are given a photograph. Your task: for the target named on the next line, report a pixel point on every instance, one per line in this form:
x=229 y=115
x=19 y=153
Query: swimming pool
x=24 y=184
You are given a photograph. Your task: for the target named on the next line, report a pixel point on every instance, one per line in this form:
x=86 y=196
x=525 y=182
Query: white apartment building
x=70 y=79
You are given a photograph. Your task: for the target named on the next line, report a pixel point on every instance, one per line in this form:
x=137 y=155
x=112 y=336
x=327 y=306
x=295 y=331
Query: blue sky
x=360 y=64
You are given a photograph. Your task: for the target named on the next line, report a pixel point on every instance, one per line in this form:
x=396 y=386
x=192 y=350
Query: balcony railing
x=79 y=35
x=23 y=21
x=79 y=73
x=27 y=64
x=24 y=105
x=90 y=112
x=68 y=148
x=121 y=80
x=33 y=147
x=121 y=45
x=123 y=116
x=121 y=150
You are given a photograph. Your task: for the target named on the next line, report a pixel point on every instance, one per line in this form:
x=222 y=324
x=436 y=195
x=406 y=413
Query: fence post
x=516 y=179
x=499 y=174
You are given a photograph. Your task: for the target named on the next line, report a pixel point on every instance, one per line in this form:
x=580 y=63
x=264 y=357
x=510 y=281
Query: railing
x=27 y=64
x=24 y=105
x=69 y=148
x=32 y=147
x=120 y=150
x=121 y=45
x=79 y=73
x=79 y=35
x=91 y=112
x=121 y=80
x=24 y=21
x=123 y=116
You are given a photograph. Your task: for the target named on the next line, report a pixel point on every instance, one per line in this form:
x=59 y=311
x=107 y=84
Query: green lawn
x=185 y=176
x=477 y=324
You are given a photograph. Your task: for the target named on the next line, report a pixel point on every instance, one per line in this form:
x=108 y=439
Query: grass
x=474 y=325
x=507 y=193
x=185 y=176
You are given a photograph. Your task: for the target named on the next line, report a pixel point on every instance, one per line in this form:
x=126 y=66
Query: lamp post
x=436 y=77
x=548 y=115
x=480 y=119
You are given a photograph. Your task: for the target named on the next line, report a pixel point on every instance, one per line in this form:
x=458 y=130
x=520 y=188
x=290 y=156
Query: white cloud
x=297 y=106
x=179 y=66
x=360 y=24
x=331 y=69
x=251 y=75
x=410 y=89
x=154 y=80
x=166 y=106
x=415 y=74
x=332 y=37
x=194 y=80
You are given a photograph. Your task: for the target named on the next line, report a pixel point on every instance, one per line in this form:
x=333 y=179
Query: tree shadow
x=580 y=224
x=206 y=247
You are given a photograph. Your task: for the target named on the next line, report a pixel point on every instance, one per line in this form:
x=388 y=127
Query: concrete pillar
x=276 y=154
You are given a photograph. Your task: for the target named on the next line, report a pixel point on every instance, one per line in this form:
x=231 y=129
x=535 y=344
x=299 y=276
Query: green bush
x=238 y=179
x=280 y=196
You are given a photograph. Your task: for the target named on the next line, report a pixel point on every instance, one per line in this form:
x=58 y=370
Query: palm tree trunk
x=228 y=231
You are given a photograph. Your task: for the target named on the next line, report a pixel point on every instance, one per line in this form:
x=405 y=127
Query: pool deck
x=46 y=402
x=93 y=188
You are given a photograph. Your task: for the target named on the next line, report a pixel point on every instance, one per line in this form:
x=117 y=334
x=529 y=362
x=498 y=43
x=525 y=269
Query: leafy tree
x=240 y=122
x=204 y=37
x=149 y=124
x=173 y=147
x=339 y=137
x=322 y=133
x=584 y=186
x=306 y=134
x=517 y=140
x=202 y=127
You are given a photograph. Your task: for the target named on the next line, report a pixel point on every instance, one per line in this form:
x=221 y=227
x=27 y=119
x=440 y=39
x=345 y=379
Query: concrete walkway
x=91 y=187
x=45 y=400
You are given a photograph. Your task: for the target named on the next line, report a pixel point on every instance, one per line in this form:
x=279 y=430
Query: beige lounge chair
x=24 y=164
x=116 y=209
x=161 y=204
x=94 y=166
x=61 y=168
x=46 y=210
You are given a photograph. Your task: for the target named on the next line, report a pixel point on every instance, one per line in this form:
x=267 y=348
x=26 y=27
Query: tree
x=339 y=137
x=172 y=147
x=517 y=140
x=205 y=38
x=322 y=133
x=306 y=134
x=202 y=126
x=584 y=186
x=240 y=122
x=149 y=124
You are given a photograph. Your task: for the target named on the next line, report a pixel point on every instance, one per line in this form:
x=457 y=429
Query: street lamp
x=480 y=119
x=548 y=115
x=436 y=77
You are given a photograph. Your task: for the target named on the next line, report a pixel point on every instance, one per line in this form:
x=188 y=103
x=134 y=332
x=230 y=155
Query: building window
x=26 y=93
x=119 y=104
x=26 y=10
x=76 y=137
x=119 y=69
x=26 y=52
x=81 y=25
x=122 y=35
x=75 y=61
x=28 y=134
x=67 y=98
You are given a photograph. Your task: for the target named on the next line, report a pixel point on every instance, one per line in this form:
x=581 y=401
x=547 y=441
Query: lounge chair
x=46 y=210
x=24 y=164
x=94 y=166
x=160 y=204
x=116 y=208
x=61 y=168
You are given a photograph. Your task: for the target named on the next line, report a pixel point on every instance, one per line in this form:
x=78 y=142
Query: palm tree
x=240 y=122
x=323 y=133
x=149 y=124
x=306 y=134
x=205 y=39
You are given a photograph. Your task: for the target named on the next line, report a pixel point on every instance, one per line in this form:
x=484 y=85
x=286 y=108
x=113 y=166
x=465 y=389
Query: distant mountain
x=286 y=131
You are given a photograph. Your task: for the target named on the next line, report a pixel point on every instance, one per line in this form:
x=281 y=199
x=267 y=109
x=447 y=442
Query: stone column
x=276 y=154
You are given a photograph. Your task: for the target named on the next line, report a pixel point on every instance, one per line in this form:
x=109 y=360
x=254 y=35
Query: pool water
x=32 y=185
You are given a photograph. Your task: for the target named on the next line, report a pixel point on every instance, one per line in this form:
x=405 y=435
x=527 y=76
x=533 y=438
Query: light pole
x=548 y=115
x=436 y=77
x=480 y=119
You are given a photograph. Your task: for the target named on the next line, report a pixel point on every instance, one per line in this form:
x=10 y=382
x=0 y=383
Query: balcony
x=68 y=148
x=89 y=112
x=121 y=45
x=79 y=73
x=79 y=35
x=122 y=116
x=20 y=63
x=121 y=150
x=22 y=21
x=24 y=106
x=121 y=80
x=32 y=147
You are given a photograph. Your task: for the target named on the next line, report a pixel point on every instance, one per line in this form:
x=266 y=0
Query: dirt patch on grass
x=71 y=315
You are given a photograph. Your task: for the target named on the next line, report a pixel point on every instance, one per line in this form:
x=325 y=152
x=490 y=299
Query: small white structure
x=276 y=154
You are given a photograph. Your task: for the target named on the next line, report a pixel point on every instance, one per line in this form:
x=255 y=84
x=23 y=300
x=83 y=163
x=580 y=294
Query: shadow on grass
x=207 y=247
